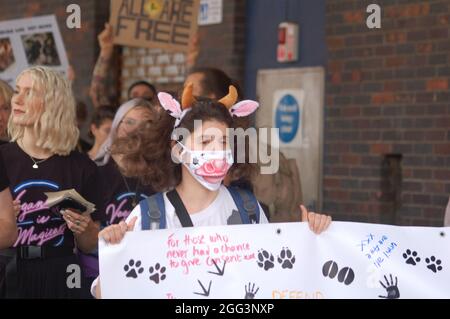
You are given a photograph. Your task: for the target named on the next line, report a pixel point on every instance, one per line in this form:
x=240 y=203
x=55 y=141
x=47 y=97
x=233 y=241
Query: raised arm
x=98 y=90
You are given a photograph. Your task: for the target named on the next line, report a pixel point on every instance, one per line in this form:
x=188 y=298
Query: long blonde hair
x=6 y=92
x=56 y=128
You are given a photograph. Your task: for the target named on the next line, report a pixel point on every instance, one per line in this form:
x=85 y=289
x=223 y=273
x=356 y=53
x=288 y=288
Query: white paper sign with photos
x=28 y=42
x=349 y=260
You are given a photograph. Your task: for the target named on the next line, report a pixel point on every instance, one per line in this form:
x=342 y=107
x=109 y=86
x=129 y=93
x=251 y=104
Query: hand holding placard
x=164 y=24
x=105 y=40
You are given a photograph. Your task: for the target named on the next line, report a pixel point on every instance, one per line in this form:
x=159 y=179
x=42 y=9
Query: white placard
x=210 y=12
x=31 y=41
x=349 y=260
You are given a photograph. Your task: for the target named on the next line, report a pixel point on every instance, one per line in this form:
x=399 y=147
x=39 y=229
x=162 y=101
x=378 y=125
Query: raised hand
x=114 y=234
x=318 y=223
x=105 y=40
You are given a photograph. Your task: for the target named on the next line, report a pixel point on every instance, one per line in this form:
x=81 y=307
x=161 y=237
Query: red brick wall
x=387 y=93
x=221 y=46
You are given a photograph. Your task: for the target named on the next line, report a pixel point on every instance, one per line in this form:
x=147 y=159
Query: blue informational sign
x=287 y=118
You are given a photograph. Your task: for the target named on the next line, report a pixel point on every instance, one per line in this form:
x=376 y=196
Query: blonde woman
x=39 y=159
x=5 y=109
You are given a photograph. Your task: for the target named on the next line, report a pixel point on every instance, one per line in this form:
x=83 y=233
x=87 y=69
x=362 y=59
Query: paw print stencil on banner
x=286 y=259
x=411 y=257
x=132 y=269
x=265 y=260
x=434 y=264
x=157 y=273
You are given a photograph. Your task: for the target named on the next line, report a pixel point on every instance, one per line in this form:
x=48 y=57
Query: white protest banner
x=30 y=41
x=349 y=260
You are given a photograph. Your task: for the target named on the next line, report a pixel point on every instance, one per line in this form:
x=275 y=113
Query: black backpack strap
x=180 y=209
x=247 y=205
x=153 y=212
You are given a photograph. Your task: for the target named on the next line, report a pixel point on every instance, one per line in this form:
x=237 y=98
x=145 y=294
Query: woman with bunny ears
x=187 y=163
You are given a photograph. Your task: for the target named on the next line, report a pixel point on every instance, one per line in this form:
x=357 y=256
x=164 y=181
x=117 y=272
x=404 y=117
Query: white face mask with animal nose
x=209 y=168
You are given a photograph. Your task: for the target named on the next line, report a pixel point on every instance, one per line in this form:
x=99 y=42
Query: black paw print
x=330 y=269
x=411 y=257
x=157 y=273
x=286 y=258
x=433 y=264
x=346 y=275
x=250 y=291
x=265 y=260
x=132 y=270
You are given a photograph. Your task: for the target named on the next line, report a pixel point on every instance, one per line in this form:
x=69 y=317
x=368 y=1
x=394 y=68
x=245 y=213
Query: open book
x=69 y=199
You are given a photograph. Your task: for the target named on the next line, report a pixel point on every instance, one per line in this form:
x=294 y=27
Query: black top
x=121 y=194
x=83 y=146
x=37 y=224
x=4 y=182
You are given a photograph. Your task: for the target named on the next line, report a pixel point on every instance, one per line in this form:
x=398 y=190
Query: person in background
x=143 y=90
x=82 y=114
x=100 y=128
x=42 y=158
x=211 y=83
x=6 y=93
x=120 y=194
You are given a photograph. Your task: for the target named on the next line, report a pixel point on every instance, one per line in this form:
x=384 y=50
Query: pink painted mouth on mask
x=214 y=171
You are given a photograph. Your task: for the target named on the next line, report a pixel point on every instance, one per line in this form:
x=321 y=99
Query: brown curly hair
x=146 y=153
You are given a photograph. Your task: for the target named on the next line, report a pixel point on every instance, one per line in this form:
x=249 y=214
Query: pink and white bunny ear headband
x=178 y=111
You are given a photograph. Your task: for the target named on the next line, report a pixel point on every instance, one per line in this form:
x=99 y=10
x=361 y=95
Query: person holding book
x=41 y=158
